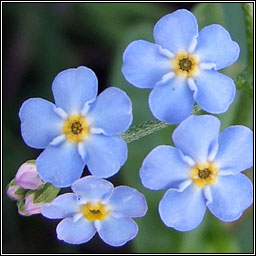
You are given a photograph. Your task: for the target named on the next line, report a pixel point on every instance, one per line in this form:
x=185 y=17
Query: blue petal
x=61 y=207
x=128 y=202
x=231 y=195
x=60 y=165
x=73 y=87
x=92 y=188
x=235 y=152
x=171 y=101
x=196 y=135
x=143 y=64
x=176 y=31
x=39 y=122
x=215 y=91
x=117 y=231
x=105 y=154
x=183 y=211
x=112 y=111
x=214 y=45
x=75 y=232
x=163 y=168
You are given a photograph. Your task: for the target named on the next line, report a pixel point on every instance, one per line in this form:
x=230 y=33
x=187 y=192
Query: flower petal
x=196 y=136
x=171 y=101
x=61 y=165
x=215 y=91
x=117 y=231
x=144 y=64
x=112 y=111
x=235 y=152
x=128 y=202
x=231 y=195
x=75 y=232
x=184 y=210
x=61 y=207
x=163 y=168
x=92 y=188
x=176 y=31
x=214 y=45
x=105 y=154
x=73 y=87
x=39 y=122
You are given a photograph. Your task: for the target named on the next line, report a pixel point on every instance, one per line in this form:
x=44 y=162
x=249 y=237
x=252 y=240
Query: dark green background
x=40 y=40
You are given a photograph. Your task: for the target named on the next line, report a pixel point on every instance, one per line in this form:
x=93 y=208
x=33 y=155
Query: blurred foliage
x=40 y=40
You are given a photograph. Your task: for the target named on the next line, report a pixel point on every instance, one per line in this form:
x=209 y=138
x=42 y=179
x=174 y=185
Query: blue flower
x=96 y=206
x=203 y=170
x=80 y=130
x=182 y=67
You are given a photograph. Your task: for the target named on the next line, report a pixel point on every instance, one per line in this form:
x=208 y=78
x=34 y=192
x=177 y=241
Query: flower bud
x=27 y=176
x=14 y=191
x=30 y=207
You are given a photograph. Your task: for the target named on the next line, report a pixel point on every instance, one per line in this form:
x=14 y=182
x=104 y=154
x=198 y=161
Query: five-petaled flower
x=80 y=130
x=96 y=206
x=182 y=67
x=203 y=170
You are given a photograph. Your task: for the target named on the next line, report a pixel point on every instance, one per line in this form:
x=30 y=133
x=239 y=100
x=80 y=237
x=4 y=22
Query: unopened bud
x=14 y=191
x=27 y=176
x=30 y=207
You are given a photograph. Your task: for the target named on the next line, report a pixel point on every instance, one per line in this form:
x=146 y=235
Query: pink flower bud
x=12 y=188
x=27 y=176
x=30 y=207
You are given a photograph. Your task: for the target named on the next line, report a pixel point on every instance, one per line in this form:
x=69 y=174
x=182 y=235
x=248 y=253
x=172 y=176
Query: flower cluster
x=28 y=189
x=202 y=171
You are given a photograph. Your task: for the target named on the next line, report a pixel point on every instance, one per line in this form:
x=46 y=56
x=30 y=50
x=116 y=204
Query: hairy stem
x=147 y=127
x=247 y=10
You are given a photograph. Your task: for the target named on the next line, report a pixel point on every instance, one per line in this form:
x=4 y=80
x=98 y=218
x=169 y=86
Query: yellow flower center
x=76 y=128
x=185 y=65
x=95 y=211
x=204 y=174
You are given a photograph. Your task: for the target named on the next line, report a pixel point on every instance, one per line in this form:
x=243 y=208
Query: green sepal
x=21 y=191
x=11 y=183
x=45 y=194
x=21 y=207
x=31 y=162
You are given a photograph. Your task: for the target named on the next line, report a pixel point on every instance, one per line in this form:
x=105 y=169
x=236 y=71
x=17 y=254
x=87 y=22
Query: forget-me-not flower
x=81 y=129
x=96 y=206
x=182 y=67
x=203 y=170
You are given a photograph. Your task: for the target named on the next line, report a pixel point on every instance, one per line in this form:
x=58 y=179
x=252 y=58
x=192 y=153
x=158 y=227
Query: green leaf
x=45 y=194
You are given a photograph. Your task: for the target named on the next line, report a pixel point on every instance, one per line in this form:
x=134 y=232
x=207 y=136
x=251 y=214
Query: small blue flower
x=182 y=67
x=203 y=170
x=96 y=206
x=80 y=130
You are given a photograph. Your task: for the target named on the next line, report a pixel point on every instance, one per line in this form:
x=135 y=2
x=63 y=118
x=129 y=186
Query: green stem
x=147 y=127
x=247 y=10
x=143 y=129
